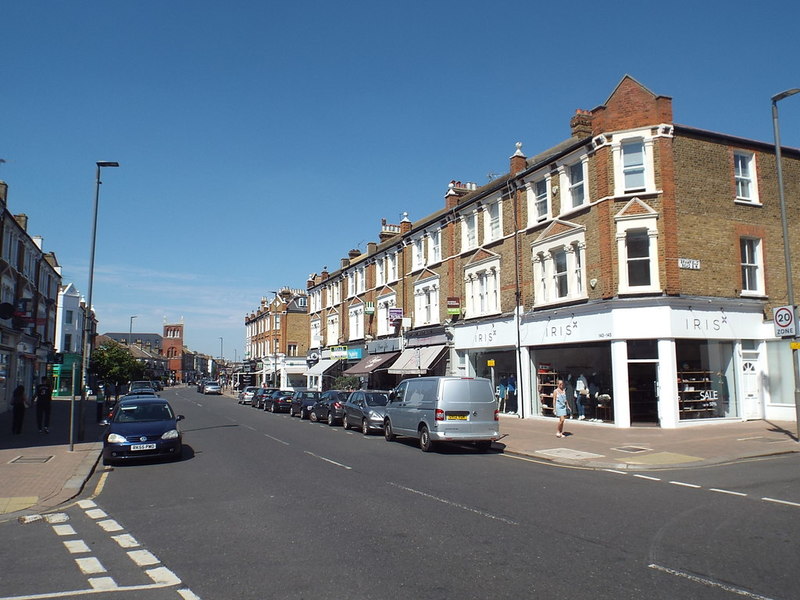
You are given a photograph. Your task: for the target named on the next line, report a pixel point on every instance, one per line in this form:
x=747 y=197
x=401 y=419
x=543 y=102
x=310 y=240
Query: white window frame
x=391 y=267
x=537 y=198
x=332 y=330
x=753 y=263
x=568 y=187
x=748 y=178
x=435 y=246
x=361 y=279
x=649 y=223
x=619 y=141
x=572 y=244
x=380 y=271
x=351 y=284
x=482 y=289
x=383 y=304
x=469 y=231
x=355 y=319
x=315 y=333
x=426 y=302
x=418 y=253
x=492 y=221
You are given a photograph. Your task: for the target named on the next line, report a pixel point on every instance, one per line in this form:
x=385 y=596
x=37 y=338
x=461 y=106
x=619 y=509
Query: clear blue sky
x=259 y=141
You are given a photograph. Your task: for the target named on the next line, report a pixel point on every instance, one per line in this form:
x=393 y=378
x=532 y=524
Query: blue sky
x=260 y=141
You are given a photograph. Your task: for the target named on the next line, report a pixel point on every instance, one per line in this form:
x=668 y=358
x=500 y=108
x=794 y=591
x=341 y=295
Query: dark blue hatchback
x=143 y=427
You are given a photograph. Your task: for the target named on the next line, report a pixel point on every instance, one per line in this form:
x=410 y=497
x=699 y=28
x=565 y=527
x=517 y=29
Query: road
x=267 y=506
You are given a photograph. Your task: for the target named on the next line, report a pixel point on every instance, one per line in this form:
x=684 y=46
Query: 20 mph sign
x=784 y=318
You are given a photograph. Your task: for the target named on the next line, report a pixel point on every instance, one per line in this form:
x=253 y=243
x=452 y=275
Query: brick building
x=173 y=350
x=639 y=259
x=277 y=340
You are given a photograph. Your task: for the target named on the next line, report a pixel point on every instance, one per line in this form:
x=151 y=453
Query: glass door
x=643 y=391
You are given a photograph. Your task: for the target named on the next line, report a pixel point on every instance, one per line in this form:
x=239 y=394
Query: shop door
x=643 y=395
x=751 y=391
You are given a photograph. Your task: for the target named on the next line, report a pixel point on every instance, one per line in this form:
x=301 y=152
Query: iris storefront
x=665 y=361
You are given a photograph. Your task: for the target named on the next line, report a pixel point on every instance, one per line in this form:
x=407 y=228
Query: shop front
x=664 y=362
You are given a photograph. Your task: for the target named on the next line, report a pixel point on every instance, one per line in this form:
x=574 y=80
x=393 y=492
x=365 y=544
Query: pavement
x=39 y=472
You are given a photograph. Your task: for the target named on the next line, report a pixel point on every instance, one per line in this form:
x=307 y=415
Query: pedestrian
x=18 y=403
x=560 y=407
x=501 y=394
x=511 y=394
x=44 y=401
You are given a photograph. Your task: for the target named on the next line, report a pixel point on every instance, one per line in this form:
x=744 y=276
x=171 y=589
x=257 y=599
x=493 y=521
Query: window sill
x=753 y=294
x=743 y=202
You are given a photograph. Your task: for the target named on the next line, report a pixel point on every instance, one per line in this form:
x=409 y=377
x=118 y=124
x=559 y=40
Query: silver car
x=365 y=409
x=212 y=387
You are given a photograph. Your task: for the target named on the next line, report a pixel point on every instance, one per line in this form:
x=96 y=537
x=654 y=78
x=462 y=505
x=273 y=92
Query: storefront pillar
x=527 y=382
x=667 y=384
x=619 y=370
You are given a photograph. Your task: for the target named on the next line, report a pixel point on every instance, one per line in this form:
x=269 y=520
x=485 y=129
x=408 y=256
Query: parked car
x=302 y=403
x=329 y=407
x=278 y=401
x=157 y=385
x=141 y=384
x=443 y=409
x=212 y=387
x=142 y=427
x=200 y=385
x=259 y=396
x=246 y=395
x=365 y=409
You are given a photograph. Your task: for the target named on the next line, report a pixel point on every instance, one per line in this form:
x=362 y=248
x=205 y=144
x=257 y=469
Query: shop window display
x=705 y=377
x=588 y=388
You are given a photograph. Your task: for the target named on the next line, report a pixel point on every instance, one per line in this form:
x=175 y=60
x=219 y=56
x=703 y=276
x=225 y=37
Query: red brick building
x=172 y=349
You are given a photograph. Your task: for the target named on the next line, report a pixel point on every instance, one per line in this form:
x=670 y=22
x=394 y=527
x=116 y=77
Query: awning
x=369 y=363
x=322 y=366
x=416 y=361
x=295 y=369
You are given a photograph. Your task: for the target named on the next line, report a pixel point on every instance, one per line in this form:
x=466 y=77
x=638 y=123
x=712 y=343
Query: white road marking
x=454 y=504
x=71 y=594
x=276 y=439
x=727 y=492
x=30 y=519
x=163 y=575
x=63 y=530
x=86 y=504
x=125 y=540
x=615 y=471
x=689 y=485
x=708 y=582
x=103 y=583
x=110 y=525
x=647 y=477
x=96 y=513
x=188 y=594
x=786 y=502
x=143 y=558
x=76 y=546
x=328 y=460
x=57 y=518
x=90 y=565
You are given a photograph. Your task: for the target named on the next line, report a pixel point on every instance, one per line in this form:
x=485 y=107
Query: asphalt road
x=266 y=506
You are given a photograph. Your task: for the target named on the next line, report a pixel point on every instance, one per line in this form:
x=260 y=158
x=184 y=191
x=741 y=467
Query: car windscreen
x=139 y=413
x=374 y=399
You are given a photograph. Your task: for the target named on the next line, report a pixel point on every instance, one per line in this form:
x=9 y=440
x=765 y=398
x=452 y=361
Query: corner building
x=639 y=260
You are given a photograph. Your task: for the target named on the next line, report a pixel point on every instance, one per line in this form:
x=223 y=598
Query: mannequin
x=582 y=393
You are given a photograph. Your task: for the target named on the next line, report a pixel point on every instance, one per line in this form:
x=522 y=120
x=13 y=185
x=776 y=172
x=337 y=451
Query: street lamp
x=87 y=319
x=130 y=330
x=274 y=344
x=787 y=255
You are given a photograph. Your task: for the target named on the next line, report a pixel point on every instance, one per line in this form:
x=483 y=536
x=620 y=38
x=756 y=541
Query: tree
x=111 y=362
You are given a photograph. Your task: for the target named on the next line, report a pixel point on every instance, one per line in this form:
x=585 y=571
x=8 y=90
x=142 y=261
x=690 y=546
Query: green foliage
x=111 y=362
x=344 y=383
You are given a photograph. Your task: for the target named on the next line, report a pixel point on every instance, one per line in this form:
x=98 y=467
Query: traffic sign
x=785 y=322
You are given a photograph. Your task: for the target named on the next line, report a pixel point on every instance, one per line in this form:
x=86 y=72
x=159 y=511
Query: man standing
x=44 y=398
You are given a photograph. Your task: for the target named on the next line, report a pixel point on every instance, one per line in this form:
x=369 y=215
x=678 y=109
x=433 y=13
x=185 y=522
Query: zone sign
x=784 y=319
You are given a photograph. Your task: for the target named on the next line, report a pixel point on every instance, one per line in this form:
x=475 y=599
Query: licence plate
x=135 y=447
x=456 y=417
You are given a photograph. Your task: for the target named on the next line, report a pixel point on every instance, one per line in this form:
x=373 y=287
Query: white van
x=443 y=409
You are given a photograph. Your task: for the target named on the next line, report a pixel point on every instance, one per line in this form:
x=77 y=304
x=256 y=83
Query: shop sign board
x=454 y=306
x=339 y=352
x=785 y=321
x=354 y=353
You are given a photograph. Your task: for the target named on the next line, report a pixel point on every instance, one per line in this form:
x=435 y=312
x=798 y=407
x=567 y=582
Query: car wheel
x=364 y=427
x=387 y=431
x=331 y=418
x=345 y=424
x=272 y=408
x=425 y=442
x=483 y=445
x=313 y=417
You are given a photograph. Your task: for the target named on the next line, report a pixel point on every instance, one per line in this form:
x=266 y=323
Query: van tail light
x=439 y=414
x=497 y=415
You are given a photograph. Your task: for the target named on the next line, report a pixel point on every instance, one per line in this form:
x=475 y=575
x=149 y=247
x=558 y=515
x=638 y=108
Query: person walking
x=44 y=400
x=560 y=407
x=18 y=402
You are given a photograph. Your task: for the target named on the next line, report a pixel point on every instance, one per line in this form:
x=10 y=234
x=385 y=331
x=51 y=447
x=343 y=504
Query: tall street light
x=130 y=330
x=88 y=319
x=787 y=254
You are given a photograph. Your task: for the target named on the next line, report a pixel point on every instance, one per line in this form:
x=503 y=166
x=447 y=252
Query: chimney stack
x=518 y=160
x=581 y=123
x=22 y=220
x=405 y=224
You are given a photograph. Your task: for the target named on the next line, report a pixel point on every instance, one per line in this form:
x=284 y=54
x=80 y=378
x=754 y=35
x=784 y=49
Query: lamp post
x=88 y=319
x=787 y=254
x=274 y=344
x=130 y=330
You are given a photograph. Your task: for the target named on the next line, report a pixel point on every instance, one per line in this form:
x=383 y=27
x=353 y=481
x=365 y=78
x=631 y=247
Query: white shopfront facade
x=669 y=362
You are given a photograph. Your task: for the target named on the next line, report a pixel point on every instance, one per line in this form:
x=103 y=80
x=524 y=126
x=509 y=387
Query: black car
x=365 y=409
x=278 y=401
x=260 y=395
x=329 y=407
x=142 y=427
x=302 y=403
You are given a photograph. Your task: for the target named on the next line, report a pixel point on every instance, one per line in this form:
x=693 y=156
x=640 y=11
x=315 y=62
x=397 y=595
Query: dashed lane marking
x=143 y=558
x=125 y=540
x=110 y=525
x=453 y=504
x=328 y=460
x=90 y=565
x=76 y=546
x=732 y=493
x=64 y=530
x=786 y=502
x=709 y=582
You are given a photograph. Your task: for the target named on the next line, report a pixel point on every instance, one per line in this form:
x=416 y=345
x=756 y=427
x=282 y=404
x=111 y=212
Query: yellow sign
x=795 y=345
x=490 y=363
